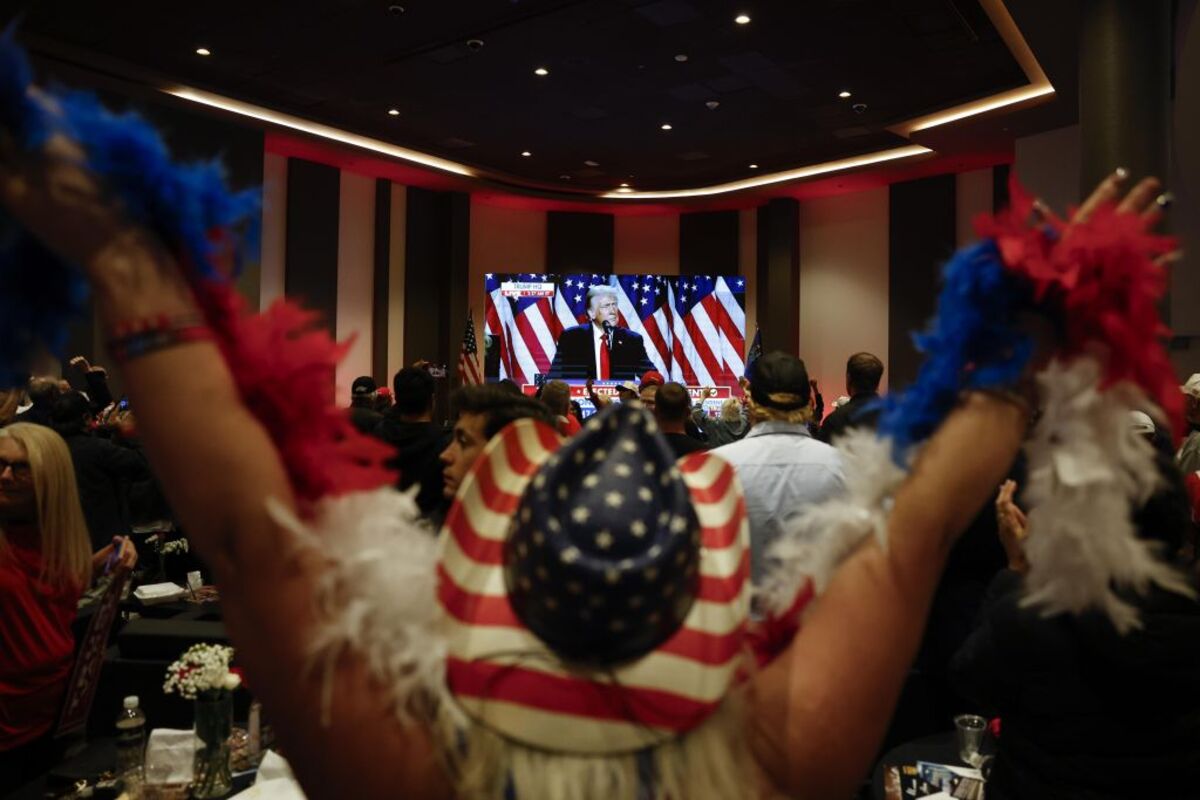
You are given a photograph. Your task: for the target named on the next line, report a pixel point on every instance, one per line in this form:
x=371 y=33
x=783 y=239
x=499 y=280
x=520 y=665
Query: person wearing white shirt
x=781 y=466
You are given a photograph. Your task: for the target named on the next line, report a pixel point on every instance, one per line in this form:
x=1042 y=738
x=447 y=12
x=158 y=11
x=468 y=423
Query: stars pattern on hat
x=601 y=539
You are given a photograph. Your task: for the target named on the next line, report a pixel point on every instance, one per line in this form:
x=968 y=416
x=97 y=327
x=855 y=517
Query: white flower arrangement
x=203 y=668
x=174 y=547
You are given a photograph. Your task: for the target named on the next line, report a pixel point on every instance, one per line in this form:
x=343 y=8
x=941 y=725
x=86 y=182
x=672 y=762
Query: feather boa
x=378 y=594
x=1087 y=471
x=973 y=342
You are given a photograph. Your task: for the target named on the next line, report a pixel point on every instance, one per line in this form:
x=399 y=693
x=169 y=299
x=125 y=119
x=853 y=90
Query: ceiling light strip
x=317 y=129
x=979 y=107
x=1039 y=84
x=778 y=177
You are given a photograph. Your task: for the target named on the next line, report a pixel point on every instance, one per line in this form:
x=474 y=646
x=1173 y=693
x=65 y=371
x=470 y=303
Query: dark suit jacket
x=104 y=473
x=853 y=414
x=575 y=358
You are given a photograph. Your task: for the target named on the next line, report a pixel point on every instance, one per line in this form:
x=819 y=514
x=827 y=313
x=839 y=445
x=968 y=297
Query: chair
x=89 y=659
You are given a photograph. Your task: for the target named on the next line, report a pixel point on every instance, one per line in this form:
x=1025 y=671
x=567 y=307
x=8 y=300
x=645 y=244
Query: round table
x=940 y=748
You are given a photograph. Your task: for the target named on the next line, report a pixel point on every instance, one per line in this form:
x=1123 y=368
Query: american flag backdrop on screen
x=469 y=368
x=692 y=325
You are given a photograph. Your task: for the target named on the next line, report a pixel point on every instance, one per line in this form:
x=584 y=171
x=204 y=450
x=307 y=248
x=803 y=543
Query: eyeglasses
x=20 y=469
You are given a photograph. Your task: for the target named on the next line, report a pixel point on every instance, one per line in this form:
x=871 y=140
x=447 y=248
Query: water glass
x=969 y=730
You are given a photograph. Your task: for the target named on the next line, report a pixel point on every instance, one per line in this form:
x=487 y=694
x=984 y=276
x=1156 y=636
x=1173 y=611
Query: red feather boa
x=283 y=366
x=1100 y=280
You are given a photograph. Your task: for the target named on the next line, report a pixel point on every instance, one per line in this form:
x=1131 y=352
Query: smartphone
x=123 y=405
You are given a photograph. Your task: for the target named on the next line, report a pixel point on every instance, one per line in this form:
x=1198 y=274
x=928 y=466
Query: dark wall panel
x=708 y=243
x=779 y=275
x=382 y=282
x=310 y=266
x=579 y=242
x=921 y=237
x=435 y=281
x=1000 y=174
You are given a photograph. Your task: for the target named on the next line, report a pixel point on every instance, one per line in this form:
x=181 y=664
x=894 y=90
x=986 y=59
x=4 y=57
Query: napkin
x=169 y=756
x=152 y=593
x=274 y=781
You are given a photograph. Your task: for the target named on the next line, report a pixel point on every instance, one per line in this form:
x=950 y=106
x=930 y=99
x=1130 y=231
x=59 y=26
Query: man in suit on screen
x=600 y=349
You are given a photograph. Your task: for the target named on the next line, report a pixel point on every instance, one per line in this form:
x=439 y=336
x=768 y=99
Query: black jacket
x=418 y=445
x=681 y=444
x=365 y=419
x=1086 y=712
x=575 y=358
x=104 y=473
x=853 y=414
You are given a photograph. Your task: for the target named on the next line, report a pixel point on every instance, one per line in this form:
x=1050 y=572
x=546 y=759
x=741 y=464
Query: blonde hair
x=796 y=416
x=731 y=410
x=66 y=546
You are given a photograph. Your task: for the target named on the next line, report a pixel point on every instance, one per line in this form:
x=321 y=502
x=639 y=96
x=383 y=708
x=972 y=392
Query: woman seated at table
x=45 y=564
x=1085 y=711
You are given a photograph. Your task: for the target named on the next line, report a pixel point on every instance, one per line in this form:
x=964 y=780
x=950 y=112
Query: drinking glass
x=969 y=730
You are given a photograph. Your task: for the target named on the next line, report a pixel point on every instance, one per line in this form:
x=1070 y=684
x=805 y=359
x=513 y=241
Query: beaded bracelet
x=135 y=338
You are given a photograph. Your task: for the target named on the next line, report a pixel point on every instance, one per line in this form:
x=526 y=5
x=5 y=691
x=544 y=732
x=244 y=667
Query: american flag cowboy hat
x=595 y=591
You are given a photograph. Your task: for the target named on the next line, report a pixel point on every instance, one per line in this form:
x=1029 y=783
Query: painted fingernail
x=1121 y=173
x=1165 y=199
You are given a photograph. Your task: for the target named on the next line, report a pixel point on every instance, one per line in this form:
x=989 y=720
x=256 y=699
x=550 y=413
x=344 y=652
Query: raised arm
x=218 y=468
x=820 y=711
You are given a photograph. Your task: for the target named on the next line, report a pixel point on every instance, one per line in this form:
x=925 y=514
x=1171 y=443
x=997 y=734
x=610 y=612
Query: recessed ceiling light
x=624 y=189
x=754 y=166
x=742 y=19
x=843 y=94
x=624 y=185
x=393 y=112
x=682 y=57
x=526 y=153
x=564 y=177
x=203 y=51
x=666 y=126
x=591 y=163
x=541 y=72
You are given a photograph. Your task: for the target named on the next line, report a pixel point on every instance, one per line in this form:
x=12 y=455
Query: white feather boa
x=378 y=594
x=1088 y=471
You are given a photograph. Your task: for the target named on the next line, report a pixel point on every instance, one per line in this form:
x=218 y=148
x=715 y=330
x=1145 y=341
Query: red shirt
x=36 y=642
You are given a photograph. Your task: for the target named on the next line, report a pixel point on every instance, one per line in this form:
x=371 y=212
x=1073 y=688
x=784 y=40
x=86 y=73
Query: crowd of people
x=74 y=485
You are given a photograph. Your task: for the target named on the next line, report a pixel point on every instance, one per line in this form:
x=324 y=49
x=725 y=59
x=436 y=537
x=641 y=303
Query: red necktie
x=604 y=357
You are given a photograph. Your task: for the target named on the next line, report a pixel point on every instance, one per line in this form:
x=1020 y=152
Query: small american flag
x=468 y=362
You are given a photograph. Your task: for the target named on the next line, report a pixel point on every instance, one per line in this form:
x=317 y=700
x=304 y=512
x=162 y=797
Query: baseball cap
x=652 y=378
x=1192 y=387
x=627 y=386
x=1140 y=422
x=363 y=385
x=779 y=380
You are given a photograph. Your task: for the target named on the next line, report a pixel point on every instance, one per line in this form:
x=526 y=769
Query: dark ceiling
x=614 y=75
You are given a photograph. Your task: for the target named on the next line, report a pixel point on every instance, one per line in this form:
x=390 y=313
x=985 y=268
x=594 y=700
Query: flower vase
x=211 y=775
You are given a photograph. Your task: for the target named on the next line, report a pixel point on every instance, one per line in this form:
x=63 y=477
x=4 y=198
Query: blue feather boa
x=182 y=203
x=973 y=342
